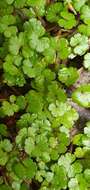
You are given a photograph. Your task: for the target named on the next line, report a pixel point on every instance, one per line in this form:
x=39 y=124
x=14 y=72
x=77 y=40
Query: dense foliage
x=43 y=46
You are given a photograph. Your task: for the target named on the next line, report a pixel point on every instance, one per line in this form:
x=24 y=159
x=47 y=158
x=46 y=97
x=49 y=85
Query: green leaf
x=77 y=139
x=9 y=2
x=28 y=69
x=6 y=145
x=17 y=80
x=37 y=141
x=39 y=5
x=19 y=170
x=49 y=176
x=38 y=44
x=14 y=45
x=82 y=95
x=24 y=187
x=10 y=69
x=21 y=102
x=87 y=175
x=73 y=184
x=81 y=182
x=77 y=167
x=30 y=168
x=79 y=44
x=16 y=185
x=19 y=4
x=86 y=62
x=43 y=44
x=35 y=102
x=63 y=48
x=50 y=52
x=25 y=170
x=12 y=98
x=53 y=12
x=24 y=120
x=86 y=142
x=8 y=19
x=9 y=109
x=79 y=4
x=60 y=173
x=3 y=157
x=21 y=136
x=67 y=20
x=34 y=2
x=54 y=154
x=84 y=29
x=85 y=161
x=64 y=114
x=3 y=130
x=10 y=31
x=85 y=14
x=55 y=92
x=79 y=152
x=5 y=187
x=87 y=129
x=58 y=109
x=66 y=161
x=34 y=26
x=29 y=145
x=68 y=76
x=27 y=52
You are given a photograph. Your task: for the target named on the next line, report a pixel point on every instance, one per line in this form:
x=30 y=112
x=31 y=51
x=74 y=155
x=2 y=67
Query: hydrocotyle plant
x=44 y=95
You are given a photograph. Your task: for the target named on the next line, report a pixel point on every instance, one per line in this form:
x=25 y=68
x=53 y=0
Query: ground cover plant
x=45 y=95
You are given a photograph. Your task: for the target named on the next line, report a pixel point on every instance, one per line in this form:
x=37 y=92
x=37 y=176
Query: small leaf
x=16 y=185
x=14 y=45
x=9 y=2
x=60 y=173
x=5 y=187
x=73 y=183
x=63 y=48
x=77 y=167
x=9 y=109
x=19 y=170
x=6 y=145
x=87 y=61
x=82 y=95
x=29 y=145
x=85 y=14
x=20 y=101
x=3 y=130
x=79 y=4
x=68 y=75
x=87 y=175
x=84 y=29
x=3 y=157
x=21 y=136
x=79 y=44
x=53 y=12
x=67 y=20
x=30 y=168
x=35 y=102
x=87 y=129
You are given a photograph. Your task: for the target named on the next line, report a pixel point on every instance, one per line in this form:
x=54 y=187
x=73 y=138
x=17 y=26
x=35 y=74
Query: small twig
x=20 y=13
x=49 y=1
x=42 y=21
x=15 y=91
x=71 y=8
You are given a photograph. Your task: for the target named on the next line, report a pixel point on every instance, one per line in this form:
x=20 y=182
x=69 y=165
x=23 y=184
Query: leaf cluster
x=43 y=44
